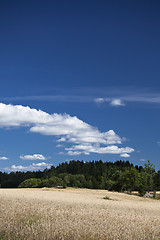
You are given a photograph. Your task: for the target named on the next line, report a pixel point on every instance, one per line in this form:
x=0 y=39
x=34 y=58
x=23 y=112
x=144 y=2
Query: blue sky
x=79 y=80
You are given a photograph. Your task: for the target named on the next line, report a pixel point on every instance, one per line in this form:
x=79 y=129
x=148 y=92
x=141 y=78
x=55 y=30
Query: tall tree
x=150 y=172
x=130 y=179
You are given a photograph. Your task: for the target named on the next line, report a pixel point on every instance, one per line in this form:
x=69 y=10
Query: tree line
x=118 y=176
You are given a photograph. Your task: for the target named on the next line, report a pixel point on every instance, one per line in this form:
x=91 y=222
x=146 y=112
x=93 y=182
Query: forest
x=118 y=176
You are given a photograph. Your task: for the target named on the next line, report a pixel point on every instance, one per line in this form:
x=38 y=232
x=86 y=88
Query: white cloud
x=72 y=153
x=54 y=98
x=61 y=139
x=14 y=116
x=60 y=146
x=118 y=97
x=99 y=100
x=124 y=94
x=117 y=103
x=143 y=160
x=67 y=128
x=42 y=164
x=3 y=158
x=87 y=149
x=126 y=155
x=32 y=167
x=33 y=157
x=61 y=153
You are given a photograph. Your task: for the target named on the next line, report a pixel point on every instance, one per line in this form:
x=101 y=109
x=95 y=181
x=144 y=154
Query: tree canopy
x=118 y=176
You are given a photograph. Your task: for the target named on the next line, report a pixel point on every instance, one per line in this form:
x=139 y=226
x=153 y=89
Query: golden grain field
x=76 y=214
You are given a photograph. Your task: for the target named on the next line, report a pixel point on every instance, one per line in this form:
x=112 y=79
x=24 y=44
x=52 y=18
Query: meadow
x=48 y=214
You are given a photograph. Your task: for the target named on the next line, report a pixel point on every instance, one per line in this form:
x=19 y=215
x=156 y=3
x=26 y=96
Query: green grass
x=107 y=198
x=3 y=236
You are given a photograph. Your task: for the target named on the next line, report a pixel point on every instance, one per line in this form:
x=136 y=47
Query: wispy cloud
x=51 y=98
x=122 y=97
x=33 y=157
x=66 y=128
x=113 y=96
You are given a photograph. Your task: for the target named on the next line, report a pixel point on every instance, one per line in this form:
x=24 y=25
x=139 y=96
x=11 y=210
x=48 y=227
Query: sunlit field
x=77 y=214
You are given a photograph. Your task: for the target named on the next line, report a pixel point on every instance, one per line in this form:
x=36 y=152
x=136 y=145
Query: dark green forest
x=119 y=176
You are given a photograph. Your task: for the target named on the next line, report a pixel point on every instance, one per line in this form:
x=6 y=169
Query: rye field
x=78 y=214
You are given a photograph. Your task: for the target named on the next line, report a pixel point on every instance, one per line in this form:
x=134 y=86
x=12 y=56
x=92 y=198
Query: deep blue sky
x=96 y=60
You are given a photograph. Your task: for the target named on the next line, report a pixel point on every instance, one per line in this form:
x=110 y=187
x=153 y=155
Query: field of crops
x=77 y=214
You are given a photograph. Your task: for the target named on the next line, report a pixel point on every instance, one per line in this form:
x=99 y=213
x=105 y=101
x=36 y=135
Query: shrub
x=31 y=183
x=107 y=198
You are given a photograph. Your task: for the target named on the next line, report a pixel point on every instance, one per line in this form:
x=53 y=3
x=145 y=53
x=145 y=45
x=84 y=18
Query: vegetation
x=106 y=198
x=77 y=214
x=119 y=176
